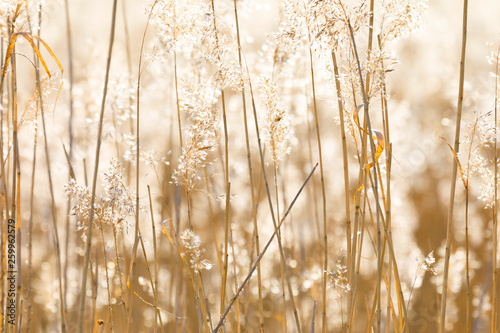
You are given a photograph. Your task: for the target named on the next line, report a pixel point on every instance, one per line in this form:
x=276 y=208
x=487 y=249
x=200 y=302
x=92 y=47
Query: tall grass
x=269 y=166
x=454 y=174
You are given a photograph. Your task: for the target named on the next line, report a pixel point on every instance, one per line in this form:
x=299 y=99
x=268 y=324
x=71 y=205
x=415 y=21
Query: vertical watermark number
x=11 y=272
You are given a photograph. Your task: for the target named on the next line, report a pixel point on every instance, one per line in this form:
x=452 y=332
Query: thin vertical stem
x=70 y=133
x=250 y=170
x=137 y=166
x=388 y=166
x=323 y=196
x=226 y=169
x=278 y=236
x=108 y=289
x=70 y=76
x=62 y=309
x=375 y=189
x=449 y=224
x=30 y=232
x=15 y=165
x=179 y=123
x=494 y=301
x=346 y=171
x=467 y=283
x=271 y=207
x=375 y=181
x=155 y=248
x=83 y=291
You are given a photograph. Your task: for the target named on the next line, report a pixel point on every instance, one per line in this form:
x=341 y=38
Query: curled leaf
x=30 y=39
x=379 y=138
x=355 y=116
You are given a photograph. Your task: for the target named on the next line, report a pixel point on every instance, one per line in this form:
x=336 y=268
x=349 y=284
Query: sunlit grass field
x=249 y=166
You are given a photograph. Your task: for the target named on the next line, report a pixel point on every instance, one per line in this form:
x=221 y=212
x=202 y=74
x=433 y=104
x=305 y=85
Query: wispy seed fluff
x=479 y=136
x=277 y=129
x=112 y=209
x=338 y=278
x=191 y=244
x=401 y=18
x=202 y=134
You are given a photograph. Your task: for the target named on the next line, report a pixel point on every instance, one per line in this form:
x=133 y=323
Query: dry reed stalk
x=449 y=224
x=465 y=181
x=96 y=173
x=70 y=131
x=226 y=249
x=194 y=273
x=15 y=148
x=85 y=177
x=70 y=75
x=250 y=170
x=130 y=280
x=226 y=174
x=278 y=236
x=119 y=269
x=358 y=230
x=374 y=165
x=268 y=194
x=30 y=231
x=345 y=161
x=94 y=283
x=212 y=219
x=176 y=82
x=127 y=46
x=19 y=258
x=467 y=268
x=153 y=288
x=370 y=45
x=388 y=164
x=314 y=185
x=32 y=189
x=206 y=303
x=276 y=142
x=313 y=317
x=157 y=264
x=137 y=161
x=62 y=308
x=366 y=93
x=108 y=289
x=357 y=245
x=129 y=67
x=402 y=322
x=323 y=191
x=198 y=302
x=235 y=274
x=277 y=131
x=313 y=189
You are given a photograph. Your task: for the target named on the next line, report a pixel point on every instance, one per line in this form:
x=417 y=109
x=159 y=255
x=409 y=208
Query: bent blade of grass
x=29 y=37
x=261 y=255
